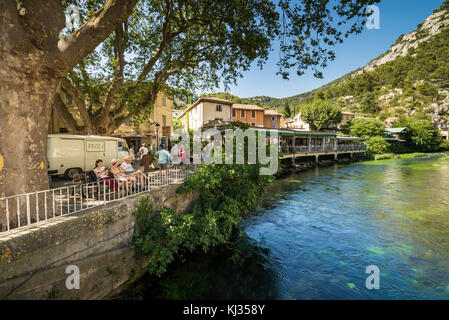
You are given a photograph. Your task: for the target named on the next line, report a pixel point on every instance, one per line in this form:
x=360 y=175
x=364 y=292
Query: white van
x=72 y=154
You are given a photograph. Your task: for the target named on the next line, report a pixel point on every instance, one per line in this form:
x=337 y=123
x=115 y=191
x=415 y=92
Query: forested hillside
x=411 y=77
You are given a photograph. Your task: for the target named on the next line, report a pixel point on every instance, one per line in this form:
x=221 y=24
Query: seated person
x=100 y=171
x=130 y=172
x=119 y=173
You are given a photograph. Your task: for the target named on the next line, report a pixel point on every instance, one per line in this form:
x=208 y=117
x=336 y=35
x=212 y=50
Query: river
x=316 y=232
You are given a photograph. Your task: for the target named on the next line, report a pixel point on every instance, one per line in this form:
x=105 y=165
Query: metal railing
x=28 y=208
x=321 y=148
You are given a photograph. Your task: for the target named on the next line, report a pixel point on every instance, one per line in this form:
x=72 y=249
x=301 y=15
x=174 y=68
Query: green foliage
x=412 y=155
x=321 y=114
x=427 y=89
x=177 y=124
x=366 y=128
x=227 y=193
x=158 y=235
x=376 y=145
x=429 y=63
x=369 y=104
x=287 y=110
x=444 y=146
x=422 y=134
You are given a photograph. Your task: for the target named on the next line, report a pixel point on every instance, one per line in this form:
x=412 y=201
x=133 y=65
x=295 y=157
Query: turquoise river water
x=316 y=232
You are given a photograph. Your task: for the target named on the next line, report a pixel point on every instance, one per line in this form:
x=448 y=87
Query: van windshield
x=122 y=146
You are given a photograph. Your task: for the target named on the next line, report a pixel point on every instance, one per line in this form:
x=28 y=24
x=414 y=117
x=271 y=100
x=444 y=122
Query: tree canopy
x=366 y=128
x=167 y=44
x=321 y=114
x=422 y=134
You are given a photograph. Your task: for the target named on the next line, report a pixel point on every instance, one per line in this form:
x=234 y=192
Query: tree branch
x=66 y=116
x=117 y=80
x=79 y=44
x=80 y=104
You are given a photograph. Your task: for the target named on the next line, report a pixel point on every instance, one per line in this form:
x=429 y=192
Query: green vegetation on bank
x=226 y=193
x=421 y=135
x=388 y=156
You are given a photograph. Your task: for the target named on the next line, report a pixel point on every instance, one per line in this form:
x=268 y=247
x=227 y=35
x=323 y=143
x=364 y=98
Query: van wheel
x=70 y=173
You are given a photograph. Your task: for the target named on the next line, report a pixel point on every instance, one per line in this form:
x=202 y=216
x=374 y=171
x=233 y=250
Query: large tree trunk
x=24 y=117
x=24 y=134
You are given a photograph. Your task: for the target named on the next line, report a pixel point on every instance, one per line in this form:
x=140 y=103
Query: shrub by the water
x=376 y=145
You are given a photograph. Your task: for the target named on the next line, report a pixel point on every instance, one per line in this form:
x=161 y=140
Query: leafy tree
x=321 y=114
x=422 y=135
x=366 y=128
x=376 y=145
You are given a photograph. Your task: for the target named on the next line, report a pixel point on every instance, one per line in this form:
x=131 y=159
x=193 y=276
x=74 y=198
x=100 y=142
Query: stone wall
x=33 y=260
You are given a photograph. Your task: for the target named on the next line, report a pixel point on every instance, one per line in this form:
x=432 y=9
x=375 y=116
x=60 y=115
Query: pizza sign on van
x=95 y=146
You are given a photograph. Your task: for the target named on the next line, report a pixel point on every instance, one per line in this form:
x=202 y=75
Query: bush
x=376 y=145
x=227 y=193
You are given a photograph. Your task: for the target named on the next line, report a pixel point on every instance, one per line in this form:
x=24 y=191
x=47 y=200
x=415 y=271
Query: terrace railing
x=28 y=208
x=321 y=148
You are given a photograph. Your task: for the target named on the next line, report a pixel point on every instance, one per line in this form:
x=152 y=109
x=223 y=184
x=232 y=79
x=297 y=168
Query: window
x=163 y=100
x=122 y=146
x=164 y=120
x=218 y=108
x=253 y=124
x=253 y=114
x=233 y=114
x=273 y=118
x=242 y=113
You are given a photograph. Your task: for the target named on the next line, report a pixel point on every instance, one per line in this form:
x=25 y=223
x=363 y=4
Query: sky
x=396 y=17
